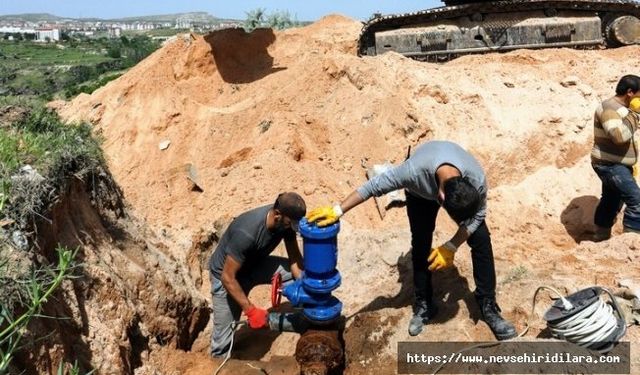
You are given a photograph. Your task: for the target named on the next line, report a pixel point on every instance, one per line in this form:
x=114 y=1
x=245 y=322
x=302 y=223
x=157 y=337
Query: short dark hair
x=291 y=205
x=626 y=83
x=461 y=199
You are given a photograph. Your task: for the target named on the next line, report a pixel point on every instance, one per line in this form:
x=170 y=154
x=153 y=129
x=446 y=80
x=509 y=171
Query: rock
x=19 y=240
x=509 y=84
x=570 y=81
x=585 y=90
x=164 y=145
x=264 y=125
x=192 y=176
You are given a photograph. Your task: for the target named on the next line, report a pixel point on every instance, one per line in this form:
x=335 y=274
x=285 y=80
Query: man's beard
x=279 y=225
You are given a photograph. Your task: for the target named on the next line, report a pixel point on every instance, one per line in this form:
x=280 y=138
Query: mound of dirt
x=251 y=115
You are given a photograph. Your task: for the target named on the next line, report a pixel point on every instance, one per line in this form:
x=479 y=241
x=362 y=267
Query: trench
x=126 y=297
x=130 y=304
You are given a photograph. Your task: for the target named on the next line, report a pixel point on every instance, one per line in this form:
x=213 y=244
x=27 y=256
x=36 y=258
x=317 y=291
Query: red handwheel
x=276 y=289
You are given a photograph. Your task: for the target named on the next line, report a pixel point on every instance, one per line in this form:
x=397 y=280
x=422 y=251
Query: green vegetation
x=277 y=20
x=66 y=69
x=516 y=274
x=39 y=156
x=38 y=288
x=158 y=32
x=53 y=150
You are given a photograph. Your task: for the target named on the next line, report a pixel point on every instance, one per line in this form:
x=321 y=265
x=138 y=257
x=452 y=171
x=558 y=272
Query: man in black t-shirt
x=242 y=260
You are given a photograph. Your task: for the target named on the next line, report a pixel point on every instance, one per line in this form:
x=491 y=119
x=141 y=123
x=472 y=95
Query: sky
x=303 y=10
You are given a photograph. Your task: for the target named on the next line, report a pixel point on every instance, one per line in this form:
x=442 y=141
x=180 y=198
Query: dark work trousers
x=422 y=221
x=618 y=187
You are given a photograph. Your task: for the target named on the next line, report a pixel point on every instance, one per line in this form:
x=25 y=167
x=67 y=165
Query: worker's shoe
x=422 y=312
x=501 y=328
x=601 y=234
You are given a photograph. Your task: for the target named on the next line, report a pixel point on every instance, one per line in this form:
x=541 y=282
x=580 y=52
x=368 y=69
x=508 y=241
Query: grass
x=55 y=70
x=54 y=150
x=30 y=134
x=158 y=32
x=516 y=274
x=38 y=54
x=39 y=287
x=90 y=86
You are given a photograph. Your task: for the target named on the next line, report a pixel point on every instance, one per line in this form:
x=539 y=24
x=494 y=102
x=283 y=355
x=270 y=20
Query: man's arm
x=461 y=235
x=442 y=257
x=351 y=201
x=391 y=180
x=395 y=178
x=231 y=284
x=328 y=215
x=295 y=258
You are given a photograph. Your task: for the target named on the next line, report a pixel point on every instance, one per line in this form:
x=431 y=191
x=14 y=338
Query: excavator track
x=462 y=28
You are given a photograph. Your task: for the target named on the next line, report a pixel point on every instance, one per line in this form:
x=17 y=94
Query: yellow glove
x=634 y=105
x=635 y=170
x=442 y=257
x=328 y=214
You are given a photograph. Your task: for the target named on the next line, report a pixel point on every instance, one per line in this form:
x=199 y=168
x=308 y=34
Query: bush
x=255 y=18
x=54 y=150
x=277 y=20
x=57 y=152
x=114 y=52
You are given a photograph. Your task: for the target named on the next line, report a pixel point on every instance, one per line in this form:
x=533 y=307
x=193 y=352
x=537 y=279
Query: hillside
x=200 y=17
x=256 y=114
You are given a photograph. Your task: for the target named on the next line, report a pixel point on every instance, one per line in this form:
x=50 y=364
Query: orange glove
x=257 y=317
x=442 y=257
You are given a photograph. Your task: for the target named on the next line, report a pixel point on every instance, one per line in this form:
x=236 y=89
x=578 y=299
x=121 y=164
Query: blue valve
x=313 y=291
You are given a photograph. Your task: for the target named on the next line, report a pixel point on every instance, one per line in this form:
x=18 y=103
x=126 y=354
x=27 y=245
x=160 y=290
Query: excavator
x=477 y=26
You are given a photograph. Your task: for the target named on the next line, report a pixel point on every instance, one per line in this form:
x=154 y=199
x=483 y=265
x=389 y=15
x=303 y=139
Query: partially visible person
x=613 y=157
x=242 y=260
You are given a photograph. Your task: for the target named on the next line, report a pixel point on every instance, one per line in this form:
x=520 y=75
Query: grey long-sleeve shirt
x=418 y=175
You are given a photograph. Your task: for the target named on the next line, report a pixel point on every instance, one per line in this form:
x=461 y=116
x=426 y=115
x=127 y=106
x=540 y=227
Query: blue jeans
x=618 y=188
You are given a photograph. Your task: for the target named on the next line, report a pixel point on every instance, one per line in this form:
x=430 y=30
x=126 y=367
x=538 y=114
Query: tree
x=255 y=19
x=281 y=20
x=114 y=51
x=278 y=20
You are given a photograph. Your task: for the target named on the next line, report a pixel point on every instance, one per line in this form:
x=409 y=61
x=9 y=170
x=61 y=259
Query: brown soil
x=297 y=110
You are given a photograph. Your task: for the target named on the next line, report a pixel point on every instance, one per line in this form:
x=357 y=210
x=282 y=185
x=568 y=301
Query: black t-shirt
x=247 y=240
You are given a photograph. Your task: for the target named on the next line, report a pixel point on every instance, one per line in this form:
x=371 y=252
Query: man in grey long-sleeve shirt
x=439 y=173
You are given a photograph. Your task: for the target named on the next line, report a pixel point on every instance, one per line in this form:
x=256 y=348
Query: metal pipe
x=288 y=322
x=319 y=351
